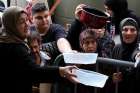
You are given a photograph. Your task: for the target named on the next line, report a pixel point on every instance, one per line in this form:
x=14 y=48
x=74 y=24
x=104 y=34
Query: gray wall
x=65 y=11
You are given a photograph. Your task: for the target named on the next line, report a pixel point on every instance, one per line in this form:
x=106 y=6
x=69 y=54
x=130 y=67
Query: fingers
x=117 y=77
x=68 y=72
x=73 y=80
x=72 y=76
x=137 y=56
x=78 y=9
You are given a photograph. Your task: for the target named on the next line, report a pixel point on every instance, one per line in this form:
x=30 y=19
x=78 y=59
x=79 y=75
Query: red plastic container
x=93 y=17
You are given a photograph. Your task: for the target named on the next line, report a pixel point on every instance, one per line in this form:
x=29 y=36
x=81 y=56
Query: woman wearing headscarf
x=19 y=69
x=129 y=38
x=118 y=10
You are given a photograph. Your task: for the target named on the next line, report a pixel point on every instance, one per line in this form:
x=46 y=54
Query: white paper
x=44 y=55
x=137 y=62
x=91 y=78
x=80 y=58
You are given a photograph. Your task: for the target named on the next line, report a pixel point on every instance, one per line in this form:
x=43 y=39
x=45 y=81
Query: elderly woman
x=129 y=38
x=15 y=56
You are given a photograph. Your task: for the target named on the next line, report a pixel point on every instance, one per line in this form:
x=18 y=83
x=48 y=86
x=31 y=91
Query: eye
x=46 y=16
x=125 y=29
x=132 y=29
x=21 y=21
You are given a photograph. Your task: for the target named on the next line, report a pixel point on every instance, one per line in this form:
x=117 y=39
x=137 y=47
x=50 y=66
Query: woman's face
x=129 y=34
x=22 y=25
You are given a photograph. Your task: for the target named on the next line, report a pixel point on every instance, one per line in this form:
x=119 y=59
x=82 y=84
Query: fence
x=114 y=62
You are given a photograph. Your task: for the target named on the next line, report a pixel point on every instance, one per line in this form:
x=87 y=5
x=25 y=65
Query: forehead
x=34 y=42
x=90 y=39
x=129 y=26
x=42 y=13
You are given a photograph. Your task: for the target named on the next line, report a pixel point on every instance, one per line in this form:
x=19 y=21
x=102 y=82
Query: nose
x=129 y=31
x=34 y=50
x=91 y=45
x=27 y=23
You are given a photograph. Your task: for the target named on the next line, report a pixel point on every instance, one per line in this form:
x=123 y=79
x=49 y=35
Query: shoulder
x=76 y=24
x=56 y=26
x=14 y=49
x=58 y=30
x=21 y=49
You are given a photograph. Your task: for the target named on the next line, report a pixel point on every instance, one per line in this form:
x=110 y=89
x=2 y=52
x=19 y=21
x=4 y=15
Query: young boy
x=88 y=41
x=88 y=44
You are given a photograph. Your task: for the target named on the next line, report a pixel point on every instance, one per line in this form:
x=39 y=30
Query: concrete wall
x=23 y=3
x=65 y=11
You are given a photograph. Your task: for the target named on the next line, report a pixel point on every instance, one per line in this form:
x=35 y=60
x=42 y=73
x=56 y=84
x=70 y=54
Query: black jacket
x=18 y=70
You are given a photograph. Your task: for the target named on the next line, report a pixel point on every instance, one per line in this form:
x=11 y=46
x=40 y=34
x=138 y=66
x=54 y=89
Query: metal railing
x=115 y=62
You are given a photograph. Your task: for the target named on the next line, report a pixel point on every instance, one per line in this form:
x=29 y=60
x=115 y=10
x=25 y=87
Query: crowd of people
x=30 y=44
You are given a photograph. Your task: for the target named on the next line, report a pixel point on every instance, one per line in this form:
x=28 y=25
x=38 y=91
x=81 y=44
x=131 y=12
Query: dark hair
x=39 y=7
x=120 y=11
x=117 y=6
x=34 y=35
x=87 y=33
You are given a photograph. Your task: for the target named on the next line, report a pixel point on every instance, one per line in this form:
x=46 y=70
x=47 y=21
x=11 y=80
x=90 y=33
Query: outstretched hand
x=78 y=9
x=68 y=73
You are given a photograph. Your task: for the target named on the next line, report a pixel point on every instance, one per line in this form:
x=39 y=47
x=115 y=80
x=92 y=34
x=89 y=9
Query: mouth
x=128 y=38
x=91 y=50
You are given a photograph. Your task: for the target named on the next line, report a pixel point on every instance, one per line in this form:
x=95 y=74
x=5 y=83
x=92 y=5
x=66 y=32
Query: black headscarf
x=127 y=49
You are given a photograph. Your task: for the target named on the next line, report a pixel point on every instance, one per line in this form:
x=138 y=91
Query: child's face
x=89 y=45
